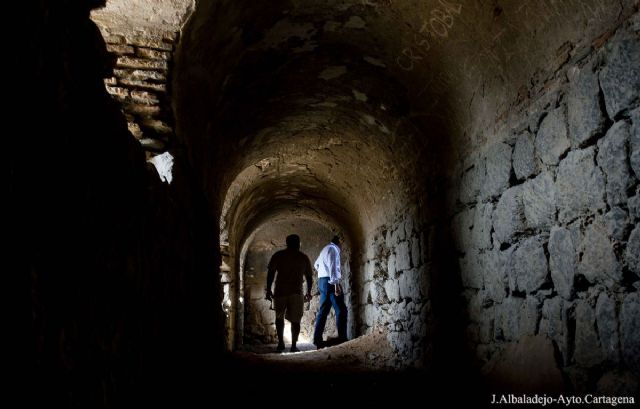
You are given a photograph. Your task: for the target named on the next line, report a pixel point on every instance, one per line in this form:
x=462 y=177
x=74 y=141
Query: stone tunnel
x=480 y=160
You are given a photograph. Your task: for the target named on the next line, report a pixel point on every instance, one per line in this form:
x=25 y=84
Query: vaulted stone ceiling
x=317 y=94
x=380 y=91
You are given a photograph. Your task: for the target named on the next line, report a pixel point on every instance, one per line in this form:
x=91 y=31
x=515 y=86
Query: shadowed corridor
x=481 y=161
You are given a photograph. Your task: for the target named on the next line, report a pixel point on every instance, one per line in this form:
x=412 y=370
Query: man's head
x=336 y=240
x=293 y=242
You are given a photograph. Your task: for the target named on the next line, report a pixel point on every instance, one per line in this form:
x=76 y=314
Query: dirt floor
x=358 y=371
x=361 y=371
x=368 y=353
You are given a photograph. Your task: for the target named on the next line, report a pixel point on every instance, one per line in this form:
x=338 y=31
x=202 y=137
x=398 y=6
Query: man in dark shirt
x=292 y=265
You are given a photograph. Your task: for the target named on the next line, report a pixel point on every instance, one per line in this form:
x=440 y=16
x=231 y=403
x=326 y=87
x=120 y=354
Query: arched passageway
x=329 y=137
x=449 y=141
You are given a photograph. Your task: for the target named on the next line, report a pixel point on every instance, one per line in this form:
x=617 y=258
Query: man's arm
x=271 y=273
x=308 y=277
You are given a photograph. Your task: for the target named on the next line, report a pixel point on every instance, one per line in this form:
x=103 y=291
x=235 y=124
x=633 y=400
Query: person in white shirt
x=328 y=266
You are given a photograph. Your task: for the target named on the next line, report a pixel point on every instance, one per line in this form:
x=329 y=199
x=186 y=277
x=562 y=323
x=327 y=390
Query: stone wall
x=140 y=81
x=546 y=226
x=395 y=287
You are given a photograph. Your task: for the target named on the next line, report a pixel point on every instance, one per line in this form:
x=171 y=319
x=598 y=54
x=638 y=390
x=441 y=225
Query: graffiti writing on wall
x=435 y=25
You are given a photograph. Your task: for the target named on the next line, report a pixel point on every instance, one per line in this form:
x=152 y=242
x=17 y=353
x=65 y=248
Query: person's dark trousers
x=328 y=298
x=280 y=331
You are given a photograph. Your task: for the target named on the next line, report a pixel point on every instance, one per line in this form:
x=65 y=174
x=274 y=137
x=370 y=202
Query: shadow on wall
x=121 y=276
x=447 y=352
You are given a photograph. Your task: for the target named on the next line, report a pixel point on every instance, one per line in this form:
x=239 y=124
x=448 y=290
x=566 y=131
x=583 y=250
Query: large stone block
x=141 y=63
x=416 y=252
x=496 y=281
x=599 y=263
x=391 y=266
x=620 y=77
x=486 y=326
x=588 y=352
x=411 y=284
x=612 y=158
x=498 y=170
x=403 y=256
x=634 y=22
x=472 y=181
x=586 y=118
x=617 y=223
x=388 y=236
x=524 y=159
x=365 y=293
x=580 y=185
x=408 y=226
x=369 y=269
x=416 y=325
x=392 y=289
x=539 y=200
x=630 y=331
x=563 y=259
x=511 y=308
x=508 y=218
x=385 y=317
x=379 y=293
x=401 y=343
x=398 y=233
x=143 y=38
x=528 y=268
x=634 y=205
x=380 y=268
x=529 y=316
x=474 y=305
x=370 y=314
x=552 y=141
x=482 y=224
x=608 y=327
x=634 y=142
x=633 y=251
x=554 y=324
x=577 y=234
x=461 y=225
x=536 y=111
x=471 y=270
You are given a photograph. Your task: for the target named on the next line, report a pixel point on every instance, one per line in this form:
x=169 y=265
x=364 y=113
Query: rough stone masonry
x=548 y=226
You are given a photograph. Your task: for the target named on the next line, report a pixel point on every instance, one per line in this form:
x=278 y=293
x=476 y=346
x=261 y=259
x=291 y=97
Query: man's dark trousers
x=328 y=298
